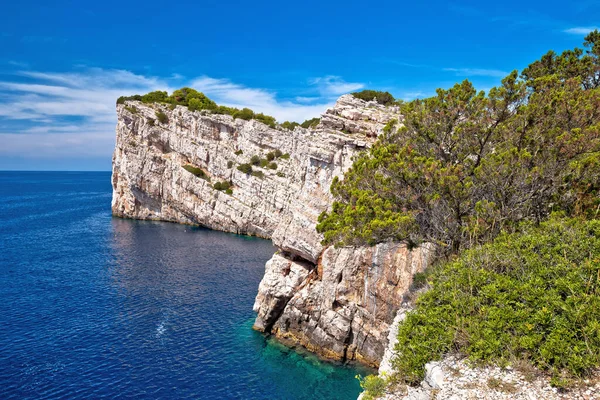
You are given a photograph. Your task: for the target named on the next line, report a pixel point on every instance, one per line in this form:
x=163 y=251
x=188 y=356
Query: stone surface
x=149 y=181
x=344 y=307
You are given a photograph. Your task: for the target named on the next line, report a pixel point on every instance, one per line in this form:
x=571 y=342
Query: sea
x=98 y=307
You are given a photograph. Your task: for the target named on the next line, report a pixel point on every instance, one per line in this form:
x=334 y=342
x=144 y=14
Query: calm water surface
x=97 y=307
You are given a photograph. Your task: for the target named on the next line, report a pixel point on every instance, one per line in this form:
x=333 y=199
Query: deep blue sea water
x=93 y=306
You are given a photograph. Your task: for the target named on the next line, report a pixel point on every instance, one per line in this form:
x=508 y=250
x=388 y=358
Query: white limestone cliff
x=336 y=302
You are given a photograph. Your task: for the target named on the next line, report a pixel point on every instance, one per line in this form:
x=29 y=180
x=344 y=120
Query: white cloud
x=494 y=73
x=332 y=85
x=580 y=30
x=232 y=94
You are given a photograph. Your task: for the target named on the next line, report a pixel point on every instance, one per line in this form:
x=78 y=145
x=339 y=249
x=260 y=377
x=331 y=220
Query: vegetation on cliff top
x=198 y=101
x=507 y=185
x=384 y=98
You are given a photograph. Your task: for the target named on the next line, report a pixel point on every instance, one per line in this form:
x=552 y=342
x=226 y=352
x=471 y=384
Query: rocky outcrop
x=336 y=302
x=342 y=307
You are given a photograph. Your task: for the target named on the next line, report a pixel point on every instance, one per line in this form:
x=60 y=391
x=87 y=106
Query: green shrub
x=229 y=191
x=265 y=119
x=229 y=164
x=244 y=113
x=310 y=123
x=238 y=153
x=272 y=165
x=384 y=98
x=150 y=122
x=373 y=386
x=285 y=156
x=270 y=156
x=533 y=295
x=123 y=99
x=255 y=160
x=245 y=168
x=389 y=126
x=258 y=174
x=222 y=185
x=196 y=171
x=162 y=117
x=280 y=174
x=155 y=97
x=277 y=153
x=200 y=102
x=289 y=125
x=264 y=163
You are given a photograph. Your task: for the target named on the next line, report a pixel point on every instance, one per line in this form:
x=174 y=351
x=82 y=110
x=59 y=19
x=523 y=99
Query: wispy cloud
x=494 y=73
x=332 y=85
x=580 y=30
x=225 y=92
x=72 y=114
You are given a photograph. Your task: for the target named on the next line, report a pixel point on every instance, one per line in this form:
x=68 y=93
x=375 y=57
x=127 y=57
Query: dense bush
x=155 y=97
x=245 y=168
x=272 y=165
x=533 y=295
x=201 y=103
x=310 y=123
x=258 y=174
x=465 y=166
x=289 y=125
x=384 y=98
x=229 y=164
x=238 y=152
x=244 y=113
x=162 y=117
x=199 y=172
x=373 y=386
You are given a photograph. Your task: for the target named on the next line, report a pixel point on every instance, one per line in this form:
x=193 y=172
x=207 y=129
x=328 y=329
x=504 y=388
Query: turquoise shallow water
x=97 y=307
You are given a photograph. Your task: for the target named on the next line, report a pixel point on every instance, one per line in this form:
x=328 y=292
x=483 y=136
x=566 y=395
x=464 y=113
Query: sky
x=64 y=63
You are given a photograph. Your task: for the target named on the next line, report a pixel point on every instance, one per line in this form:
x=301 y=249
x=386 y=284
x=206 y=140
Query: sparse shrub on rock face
x=245 y=168
x=255 y=160
x=310 y=123
x=199 y=172
x=162 y=117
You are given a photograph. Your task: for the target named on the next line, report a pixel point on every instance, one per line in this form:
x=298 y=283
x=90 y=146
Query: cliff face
x=337 y=302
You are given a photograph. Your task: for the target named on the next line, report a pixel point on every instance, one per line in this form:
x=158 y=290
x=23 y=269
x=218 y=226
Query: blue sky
x=64 y=63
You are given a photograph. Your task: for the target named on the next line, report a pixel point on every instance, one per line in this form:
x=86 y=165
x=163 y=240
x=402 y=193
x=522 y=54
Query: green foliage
x=310 y=123
x=155 y=97
x=270 y=156
x=289 y=125
x=150 y=122
x=244 y=113
x=285 y=156
x=280 y=174
x=258 y=174
x=266 y=119
x=466 y=166
x=533 y=294
x=123 y=99
x=255 y=160
x=245 y=168
x=384 y=98
x=277 y=153
x=238 y=152
x=162 y=117
x=201 y=102
x=223 y=186
x=229 y=191
x=199 y=172
x=373 y=386
x=272 y=165
x=229 y=164
x=264 y=162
